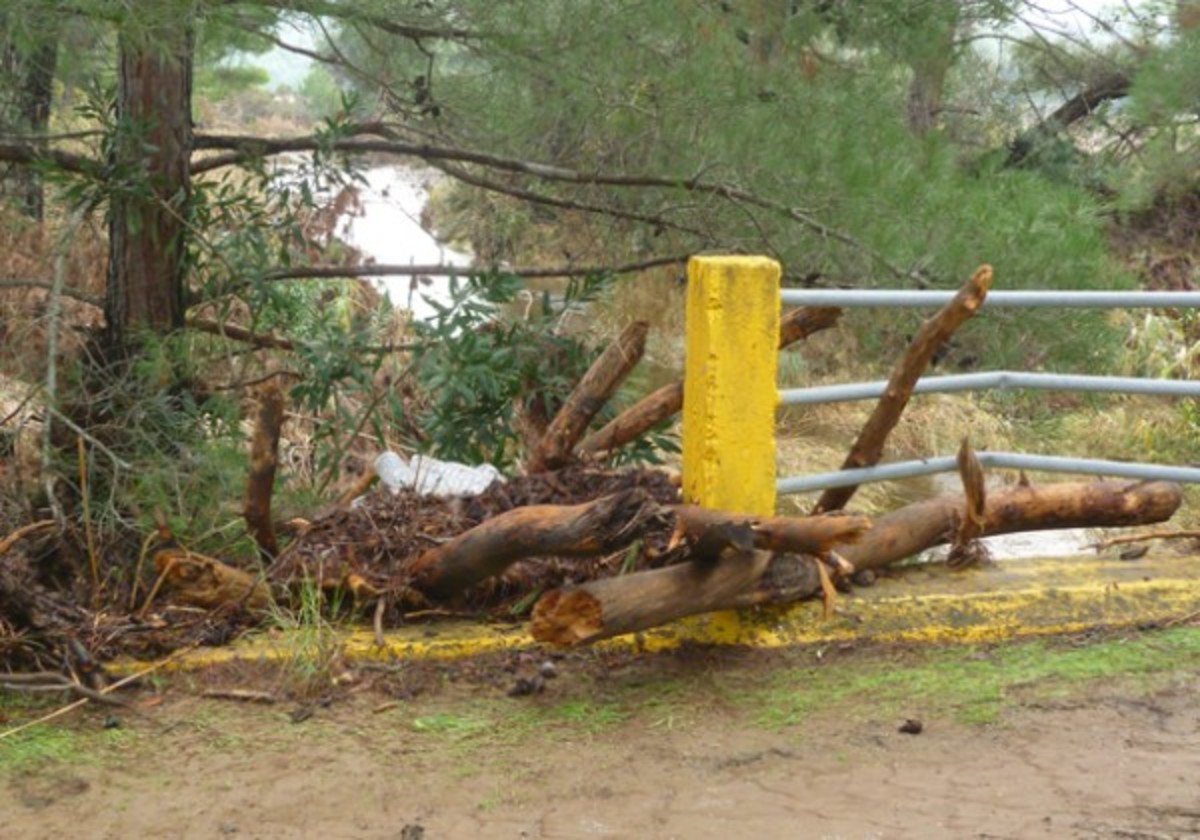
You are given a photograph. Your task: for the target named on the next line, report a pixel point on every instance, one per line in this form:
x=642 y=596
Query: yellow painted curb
x=921 y=605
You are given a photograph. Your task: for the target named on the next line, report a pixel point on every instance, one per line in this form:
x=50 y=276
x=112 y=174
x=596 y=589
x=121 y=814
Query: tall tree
x=148 y=223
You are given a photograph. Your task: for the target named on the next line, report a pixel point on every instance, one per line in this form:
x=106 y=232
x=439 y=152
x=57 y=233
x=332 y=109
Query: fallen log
x=603 y=378
x=613 y=606
x=1095 y=504
x=593 y=528
x=868 y=447
x=667 y=401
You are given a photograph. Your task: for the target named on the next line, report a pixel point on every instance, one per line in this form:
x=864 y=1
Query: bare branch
x=385 y=270
x=24 y=153
x=74 y=294
x=246 y=147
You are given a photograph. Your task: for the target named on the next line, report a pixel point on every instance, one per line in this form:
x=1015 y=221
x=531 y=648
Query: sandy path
x=1116 y=765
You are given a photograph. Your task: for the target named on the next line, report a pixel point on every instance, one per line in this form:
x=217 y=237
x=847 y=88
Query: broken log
x=206 y=582
x=589 y=529
x=1095 y=504
x=603 y=378
x=264 y=458
x=868 y=447
x=610 y=607
x=966 y=550
x=667 y=401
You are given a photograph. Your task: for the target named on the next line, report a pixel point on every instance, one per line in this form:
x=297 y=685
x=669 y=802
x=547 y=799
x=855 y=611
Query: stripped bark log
x=603 y=378
x=667 y=401
x=630 y=603
x=868 y=448
x=1096 y=504
x=614 y=606
x=593 y=528
x=264 y=458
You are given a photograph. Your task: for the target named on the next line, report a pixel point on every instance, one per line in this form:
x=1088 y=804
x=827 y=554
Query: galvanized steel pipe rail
x=1005 y=460
x=995 y=380
x=990 y=380
x=864 y=298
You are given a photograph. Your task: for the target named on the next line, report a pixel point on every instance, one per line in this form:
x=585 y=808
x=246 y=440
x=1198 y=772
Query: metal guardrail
x=863 y=298
x=1006 y=460
x=990 y=380
x=995 y=380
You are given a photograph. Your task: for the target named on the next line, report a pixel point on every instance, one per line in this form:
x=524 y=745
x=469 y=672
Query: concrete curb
x=925 y=604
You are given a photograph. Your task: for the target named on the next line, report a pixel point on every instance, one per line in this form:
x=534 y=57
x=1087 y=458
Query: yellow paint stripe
x=1007 y=600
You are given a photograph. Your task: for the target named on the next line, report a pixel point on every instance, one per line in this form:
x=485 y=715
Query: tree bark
x=589 y=529
x=804 y=535
x=604 y=376
x=148 y=219
x=1096 y=504
x=868 y=448
x=667 y=401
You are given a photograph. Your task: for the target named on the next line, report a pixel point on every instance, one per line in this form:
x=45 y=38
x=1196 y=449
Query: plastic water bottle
x=431 y=477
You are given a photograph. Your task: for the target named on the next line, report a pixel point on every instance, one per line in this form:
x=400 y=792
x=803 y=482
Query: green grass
x=56 y=744
x=970 y=685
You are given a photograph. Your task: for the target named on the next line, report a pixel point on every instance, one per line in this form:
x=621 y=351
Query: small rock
x=526 y=686
x=412 y=831
x=912 y=727
x=864 y=577
x=547 y=670
x=112 y=722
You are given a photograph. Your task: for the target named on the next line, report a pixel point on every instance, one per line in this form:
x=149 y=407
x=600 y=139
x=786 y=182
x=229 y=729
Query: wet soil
x=697 y=759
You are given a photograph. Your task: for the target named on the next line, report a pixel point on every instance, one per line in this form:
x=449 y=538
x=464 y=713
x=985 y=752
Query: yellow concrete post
x=729 y=391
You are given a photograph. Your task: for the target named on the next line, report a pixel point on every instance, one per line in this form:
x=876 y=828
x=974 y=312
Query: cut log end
x=566 y=619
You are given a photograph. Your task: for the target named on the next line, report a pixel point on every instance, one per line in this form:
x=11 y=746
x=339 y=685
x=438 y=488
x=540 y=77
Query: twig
x=137 y=571
x=168 y=567
x=380 y=609
x=23 y=532
x=87 y=523
x=57 y=713
x=74 y=427
x=1153 y=535
x=243 y=695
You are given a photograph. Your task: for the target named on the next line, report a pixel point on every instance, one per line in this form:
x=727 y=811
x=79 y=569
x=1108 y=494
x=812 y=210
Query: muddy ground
x=1071 y=738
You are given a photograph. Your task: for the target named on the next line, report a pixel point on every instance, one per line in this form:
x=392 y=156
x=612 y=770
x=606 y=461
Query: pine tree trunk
x=147 y=222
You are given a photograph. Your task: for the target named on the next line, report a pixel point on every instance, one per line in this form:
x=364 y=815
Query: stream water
x=388 y=229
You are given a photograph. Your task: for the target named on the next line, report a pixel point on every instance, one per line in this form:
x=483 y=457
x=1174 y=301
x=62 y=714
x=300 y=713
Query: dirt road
x=722 y=745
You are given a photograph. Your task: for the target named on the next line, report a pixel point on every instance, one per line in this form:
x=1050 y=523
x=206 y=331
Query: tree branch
x=385 y=270
x=74 y=294
x=24 y=153
x=244 y=147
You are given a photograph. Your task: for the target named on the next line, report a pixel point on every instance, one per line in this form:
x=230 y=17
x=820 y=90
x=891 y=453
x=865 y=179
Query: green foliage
x=321 y=92
x=1165 y=102
x=478 y=366
x=222 y=81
